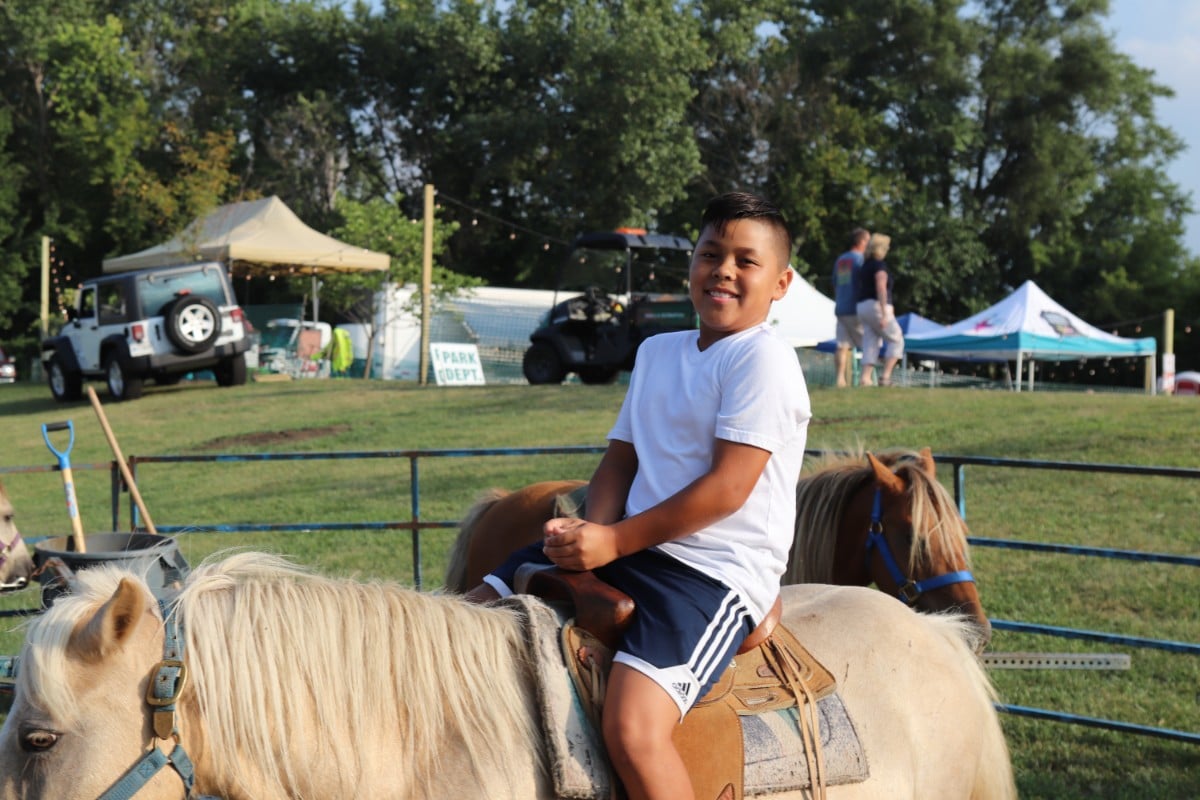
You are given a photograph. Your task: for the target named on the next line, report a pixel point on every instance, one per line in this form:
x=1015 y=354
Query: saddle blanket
x=774 y=758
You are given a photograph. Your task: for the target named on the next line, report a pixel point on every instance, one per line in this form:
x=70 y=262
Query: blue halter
x=909 y=590
x=166 y=684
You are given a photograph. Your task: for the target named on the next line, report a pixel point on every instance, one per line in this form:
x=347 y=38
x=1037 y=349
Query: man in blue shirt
x=845 y=295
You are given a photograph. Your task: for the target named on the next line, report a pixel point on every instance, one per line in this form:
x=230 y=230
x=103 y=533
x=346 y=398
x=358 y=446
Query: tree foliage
x=996 y=141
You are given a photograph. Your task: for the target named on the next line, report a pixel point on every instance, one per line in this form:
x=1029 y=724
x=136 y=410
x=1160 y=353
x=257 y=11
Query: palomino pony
x=15 y=563
x=305 y=686
x=860 y=519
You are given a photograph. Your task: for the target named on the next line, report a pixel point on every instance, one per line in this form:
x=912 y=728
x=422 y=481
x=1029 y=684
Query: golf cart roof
x=630 y=238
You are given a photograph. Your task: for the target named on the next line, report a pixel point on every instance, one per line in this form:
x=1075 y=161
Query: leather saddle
x=771 y=672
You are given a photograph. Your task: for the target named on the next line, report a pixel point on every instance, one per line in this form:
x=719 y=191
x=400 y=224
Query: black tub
x=163 y=563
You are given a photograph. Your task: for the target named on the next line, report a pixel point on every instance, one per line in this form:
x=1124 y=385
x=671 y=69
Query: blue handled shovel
x=64 y=466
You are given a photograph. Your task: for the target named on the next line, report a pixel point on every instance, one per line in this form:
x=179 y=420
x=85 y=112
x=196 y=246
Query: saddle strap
x=791 y=671
x=589 y=661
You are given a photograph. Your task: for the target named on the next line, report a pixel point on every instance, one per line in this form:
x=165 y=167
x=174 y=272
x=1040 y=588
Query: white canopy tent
x=1028 y=326
x=256 y=237
x=804 y=316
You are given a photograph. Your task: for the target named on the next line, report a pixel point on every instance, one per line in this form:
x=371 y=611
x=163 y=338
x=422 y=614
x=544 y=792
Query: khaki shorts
x=849 y=331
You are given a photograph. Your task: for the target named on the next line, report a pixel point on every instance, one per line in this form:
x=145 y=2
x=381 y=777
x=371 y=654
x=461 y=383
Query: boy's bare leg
x=868 y=375
x=841 y=359
x=639 y=720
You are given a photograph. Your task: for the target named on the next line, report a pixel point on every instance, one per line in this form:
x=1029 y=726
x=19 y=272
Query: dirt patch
x=273 y=437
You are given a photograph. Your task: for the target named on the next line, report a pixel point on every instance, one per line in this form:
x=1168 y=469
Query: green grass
x=1053 y=760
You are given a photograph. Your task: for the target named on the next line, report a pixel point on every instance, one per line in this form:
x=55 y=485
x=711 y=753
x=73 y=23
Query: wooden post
x=426 y=283
x=45 y=310
x=1168 y=354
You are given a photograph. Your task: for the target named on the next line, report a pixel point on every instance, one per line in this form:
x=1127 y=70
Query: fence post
x=960 y=488
x=415 y=481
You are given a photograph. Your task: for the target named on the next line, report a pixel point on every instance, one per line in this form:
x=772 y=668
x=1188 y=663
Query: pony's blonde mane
x=824 y=492
x=272 y=648
x=366 y=657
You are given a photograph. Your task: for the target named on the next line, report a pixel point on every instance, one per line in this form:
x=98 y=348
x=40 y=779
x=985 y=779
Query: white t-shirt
x=746 y=388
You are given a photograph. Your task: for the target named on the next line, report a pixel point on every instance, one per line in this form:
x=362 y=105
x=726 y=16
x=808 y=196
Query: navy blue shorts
x=687 y=626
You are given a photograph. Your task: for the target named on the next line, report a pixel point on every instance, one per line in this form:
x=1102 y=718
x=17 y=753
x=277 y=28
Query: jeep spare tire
x=193 y=323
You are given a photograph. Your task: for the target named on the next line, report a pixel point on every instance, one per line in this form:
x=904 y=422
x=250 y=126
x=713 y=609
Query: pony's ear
x=925 y=459
x=889 y=481
x=112 y=625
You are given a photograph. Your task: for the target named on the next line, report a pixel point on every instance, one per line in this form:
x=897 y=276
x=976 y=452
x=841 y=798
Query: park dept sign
x=456 y=364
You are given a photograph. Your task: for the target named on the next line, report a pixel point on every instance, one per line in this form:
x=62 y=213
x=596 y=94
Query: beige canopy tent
x=256 y=237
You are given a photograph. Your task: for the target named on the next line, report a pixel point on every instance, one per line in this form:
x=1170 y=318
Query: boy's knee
x=639 y=717
x=618 y=730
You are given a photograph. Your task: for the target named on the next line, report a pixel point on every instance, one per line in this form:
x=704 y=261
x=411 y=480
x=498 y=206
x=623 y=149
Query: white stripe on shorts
x=718 y=637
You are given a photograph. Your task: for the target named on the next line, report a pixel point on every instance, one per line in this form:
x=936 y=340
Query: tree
x=12 y=268
x=381 y=226
x=553 y=117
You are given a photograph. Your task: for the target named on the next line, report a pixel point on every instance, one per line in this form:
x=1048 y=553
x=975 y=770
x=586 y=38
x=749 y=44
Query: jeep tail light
x=139 y=332
x=236 y=315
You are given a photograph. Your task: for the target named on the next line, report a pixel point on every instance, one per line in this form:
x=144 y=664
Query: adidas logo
x=682 y=688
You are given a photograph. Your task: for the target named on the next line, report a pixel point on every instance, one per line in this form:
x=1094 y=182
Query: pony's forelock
x=935 y=518
x=43 y=676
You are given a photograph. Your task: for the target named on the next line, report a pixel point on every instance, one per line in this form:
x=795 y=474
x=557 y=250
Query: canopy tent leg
x=1017 y=382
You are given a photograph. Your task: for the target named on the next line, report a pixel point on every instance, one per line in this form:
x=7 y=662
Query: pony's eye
x=38 y=741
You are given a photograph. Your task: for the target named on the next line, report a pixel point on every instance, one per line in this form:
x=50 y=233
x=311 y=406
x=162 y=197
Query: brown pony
x=15 y=563
x=915 y=550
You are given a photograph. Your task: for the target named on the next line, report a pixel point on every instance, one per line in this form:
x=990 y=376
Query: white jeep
x=157 y=323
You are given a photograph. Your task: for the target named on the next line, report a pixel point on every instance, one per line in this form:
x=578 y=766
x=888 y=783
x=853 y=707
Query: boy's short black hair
x=726 y=208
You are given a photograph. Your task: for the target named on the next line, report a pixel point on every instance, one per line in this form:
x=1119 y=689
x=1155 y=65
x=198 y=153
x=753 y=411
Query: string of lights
x=61 y=278
x=513 y=227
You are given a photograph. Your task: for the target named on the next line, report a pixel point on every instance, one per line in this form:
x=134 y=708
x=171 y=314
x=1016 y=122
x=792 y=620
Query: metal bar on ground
x=1056 y=660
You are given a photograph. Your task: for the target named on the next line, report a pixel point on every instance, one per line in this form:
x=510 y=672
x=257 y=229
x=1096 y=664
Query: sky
x=1164 y=35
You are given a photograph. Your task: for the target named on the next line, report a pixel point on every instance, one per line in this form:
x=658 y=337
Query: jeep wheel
x=64 y=384
x=231 y=371
x=598 y=375
x=193 y=324
x=121 y=385
x=542 y=365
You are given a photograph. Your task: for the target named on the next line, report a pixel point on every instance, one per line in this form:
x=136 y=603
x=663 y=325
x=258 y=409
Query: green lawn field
x=1053 y=760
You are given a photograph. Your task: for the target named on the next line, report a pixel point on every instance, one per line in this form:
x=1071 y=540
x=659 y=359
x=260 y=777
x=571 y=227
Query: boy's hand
x=577 y=544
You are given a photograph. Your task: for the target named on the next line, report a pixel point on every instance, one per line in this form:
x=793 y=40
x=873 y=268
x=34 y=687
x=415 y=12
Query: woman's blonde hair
x=879 y=244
